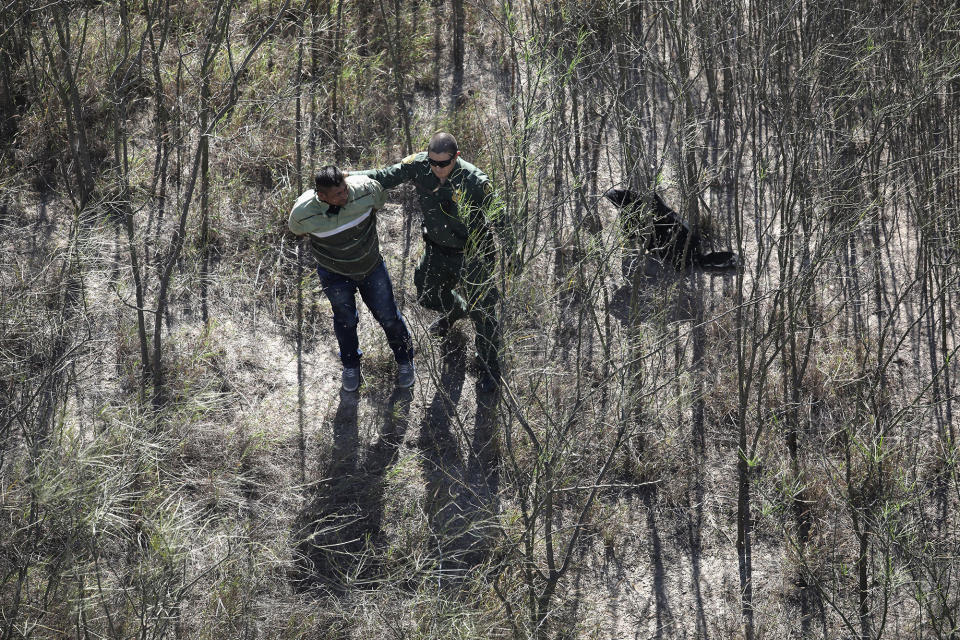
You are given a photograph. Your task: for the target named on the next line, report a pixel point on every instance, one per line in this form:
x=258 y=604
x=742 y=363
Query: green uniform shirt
x=344 y=239
x=453 y=211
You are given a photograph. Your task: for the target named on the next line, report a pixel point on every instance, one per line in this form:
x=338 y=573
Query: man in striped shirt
x=339 y=215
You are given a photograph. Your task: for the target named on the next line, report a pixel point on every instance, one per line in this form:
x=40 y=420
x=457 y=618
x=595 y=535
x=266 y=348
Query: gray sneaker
x=405 y=377
x=351 y=378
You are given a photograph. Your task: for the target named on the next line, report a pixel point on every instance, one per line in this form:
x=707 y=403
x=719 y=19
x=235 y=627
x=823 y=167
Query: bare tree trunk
x=393 y=39
x=301 y=389
x=437 y=6
x=459 y=17
x=70 y=97
x=216 y=35
x=204 y=198
x=122 y=163
x=363 y=32
x=158 y=28
x=338 y=55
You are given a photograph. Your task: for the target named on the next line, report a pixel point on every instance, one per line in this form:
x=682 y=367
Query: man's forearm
x=388 y=177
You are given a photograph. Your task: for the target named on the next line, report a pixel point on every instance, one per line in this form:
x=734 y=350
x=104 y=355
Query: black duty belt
x=447 y=251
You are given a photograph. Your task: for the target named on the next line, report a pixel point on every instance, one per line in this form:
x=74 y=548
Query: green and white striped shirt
x=344 y=241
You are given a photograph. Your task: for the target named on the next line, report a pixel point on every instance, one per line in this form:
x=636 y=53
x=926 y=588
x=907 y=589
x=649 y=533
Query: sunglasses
x=439 y=163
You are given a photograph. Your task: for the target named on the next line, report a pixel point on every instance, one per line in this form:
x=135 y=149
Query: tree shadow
x=338 y=531
x=456 y=91
x=43 y=228
x=695 y=543
x=460 y=493
x=664 y=615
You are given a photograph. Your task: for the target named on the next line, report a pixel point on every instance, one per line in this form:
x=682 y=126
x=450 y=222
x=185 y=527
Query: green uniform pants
x=457 y=286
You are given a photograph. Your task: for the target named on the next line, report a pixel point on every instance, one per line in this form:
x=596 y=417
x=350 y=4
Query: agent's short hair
x=327 y=178
x=443 y=143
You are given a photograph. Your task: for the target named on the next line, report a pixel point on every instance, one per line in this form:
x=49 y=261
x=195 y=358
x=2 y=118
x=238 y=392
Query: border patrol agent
x=455 y=273
x=340 y=217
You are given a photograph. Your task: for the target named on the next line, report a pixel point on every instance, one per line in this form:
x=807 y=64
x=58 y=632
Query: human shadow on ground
x=654 y=291
x=657 y=291
x=337 y=532
x=461 y=494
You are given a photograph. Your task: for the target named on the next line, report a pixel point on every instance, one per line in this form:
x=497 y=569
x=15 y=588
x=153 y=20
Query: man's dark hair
x=327 y=178
x=443 y=143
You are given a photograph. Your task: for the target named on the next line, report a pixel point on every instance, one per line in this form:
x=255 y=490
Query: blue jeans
x=377 y=293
